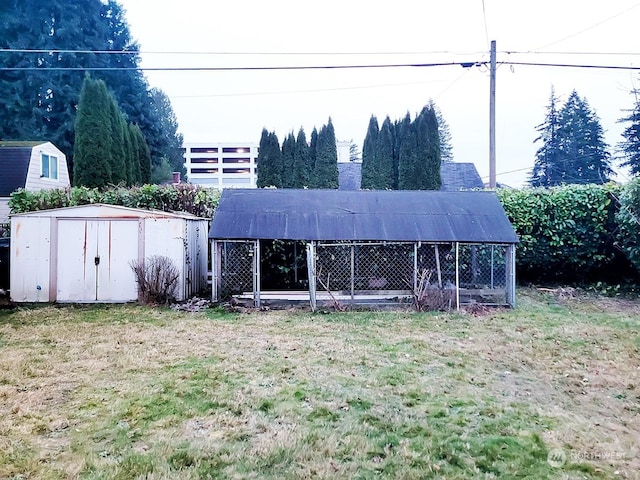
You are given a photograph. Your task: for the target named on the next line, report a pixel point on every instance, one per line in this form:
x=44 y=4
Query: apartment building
x=231 y=165
x=222 y=165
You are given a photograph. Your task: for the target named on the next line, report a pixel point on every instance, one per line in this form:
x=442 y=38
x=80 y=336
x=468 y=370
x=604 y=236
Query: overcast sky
x=221 y=106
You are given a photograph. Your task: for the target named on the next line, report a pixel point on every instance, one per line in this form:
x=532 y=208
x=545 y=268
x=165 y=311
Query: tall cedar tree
x=407 y=155
x=384 y=153
x=630 y=147
x=582 y=154
x=93 y=136
x=134 y=155
x=313 y=150
x=288 y=154
x=369 y=155
x=269 y=161
x=119 y=167
x=144 y=156
x=428 y=150
x=38 y=104
x=326 y=167
x=301 y=157
x=444 y=133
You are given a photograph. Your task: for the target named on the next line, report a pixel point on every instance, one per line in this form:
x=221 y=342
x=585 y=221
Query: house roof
x=14 y=165
x=349 y=174
x=459 y=176
x=20 y=143
x=455 y=176
x=400 y=215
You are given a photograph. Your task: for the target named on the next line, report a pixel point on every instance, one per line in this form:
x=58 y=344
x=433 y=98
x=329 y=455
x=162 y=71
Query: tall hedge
x=568 y=233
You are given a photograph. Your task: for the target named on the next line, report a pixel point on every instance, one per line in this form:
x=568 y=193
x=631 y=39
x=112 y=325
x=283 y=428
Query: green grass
x=130 y=392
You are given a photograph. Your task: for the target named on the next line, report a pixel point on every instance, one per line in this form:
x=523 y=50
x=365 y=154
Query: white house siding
x=34 y=181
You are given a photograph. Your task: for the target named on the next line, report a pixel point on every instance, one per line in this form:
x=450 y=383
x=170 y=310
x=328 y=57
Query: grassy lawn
x=550 y=390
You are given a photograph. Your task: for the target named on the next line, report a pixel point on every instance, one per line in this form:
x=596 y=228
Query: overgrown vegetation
x=133 y=392
x=157 y=279
x=182 y=197
x=575 y=233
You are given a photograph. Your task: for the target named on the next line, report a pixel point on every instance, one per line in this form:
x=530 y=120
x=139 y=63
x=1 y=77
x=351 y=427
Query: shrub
x=628 y=218
x=157 y=279
x=567 y=233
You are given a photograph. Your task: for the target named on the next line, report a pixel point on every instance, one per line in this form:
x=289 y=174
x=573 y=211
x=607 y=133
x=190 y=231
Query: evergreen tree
x=407 y=169
x=369 y=155
x=428 y=151
x=313 y=151
x=41 y=104
x=288 y=154
x=301 y=156
x=354 y=152
x=93 y=134
x=326 y=167
x=269 y=161
x=446 y=147
x=130 y=154
x=578 y=153
x=630 y=147
x=548 y=156
x=383 y=176
x=166 y=142
x=144 y=157
x=134 y=154
x=119 y=167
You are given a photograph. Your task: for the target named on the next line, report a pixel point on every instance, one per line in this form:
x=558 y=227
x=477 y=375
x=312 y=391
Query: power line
x=324 y=67
x=252 y=68
x=517 y=52
x=192 y=52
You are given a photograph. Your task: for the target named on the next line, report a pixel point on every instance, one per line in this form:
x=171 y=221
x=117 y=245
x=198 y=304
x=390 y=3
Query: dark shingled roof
x=349 y=175
x=14 y=165
x=400 y=215
x=459 y=176
x=455 y=176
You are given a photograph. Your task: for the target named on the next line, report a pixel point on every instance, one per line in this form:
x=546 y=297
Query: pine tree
x=369 y=155
x=288 y=154
x=384 y=155
x=630 y=147
x=301 y=161
x=93 y=134
x=578 y=152
x=548 y=156
x=326 y=167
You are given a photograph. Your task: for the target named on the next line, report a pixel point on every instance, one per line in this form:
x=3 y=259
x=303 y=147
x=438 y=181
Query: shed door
x=93 y=260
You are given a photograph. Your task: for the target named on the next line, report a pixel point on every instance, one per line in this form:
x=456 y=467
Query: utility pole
x=492 y=117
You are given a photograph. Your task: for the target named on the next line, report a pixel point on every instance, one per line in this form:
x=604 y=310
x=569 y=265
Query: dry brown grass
x=126 y=392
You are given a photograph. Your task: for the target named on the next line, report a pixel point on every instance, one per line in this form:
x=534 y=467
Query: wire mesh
x=483 y=274
x=236 y=261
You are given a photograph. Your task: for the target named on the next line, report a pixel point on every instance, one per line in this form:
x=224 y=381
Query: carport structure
x=445 y=249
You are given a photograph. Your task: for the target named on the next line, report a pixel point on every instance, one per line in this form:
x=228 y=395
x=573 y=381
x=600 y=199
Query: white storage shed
x=84 y=253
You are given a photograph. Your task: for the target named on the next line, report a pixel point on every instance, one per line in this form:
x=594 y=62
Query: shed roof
x=430 y=216
x=101 y=210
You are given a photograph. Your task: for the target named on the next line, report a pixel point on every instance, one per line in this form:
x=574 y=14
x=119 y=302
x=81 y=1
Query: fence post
x=311 y=267
x=256 y=273
x=457 y=276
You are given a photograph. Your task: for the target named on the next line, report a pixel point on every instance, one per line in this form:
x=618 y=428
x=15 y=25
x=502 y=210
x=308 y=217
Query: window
x=236 y=170
x=204 y=150
x=49 y=167
x=235 y=150
x=236 y=160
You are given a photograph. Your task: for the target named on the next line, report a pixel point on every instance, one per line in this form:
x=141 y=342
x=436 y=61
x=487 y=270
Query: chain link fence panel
x=236 y=262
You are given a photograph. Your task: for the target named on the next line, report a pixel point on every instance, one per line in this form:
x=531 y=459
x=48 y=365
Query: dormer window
x=49 y=167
